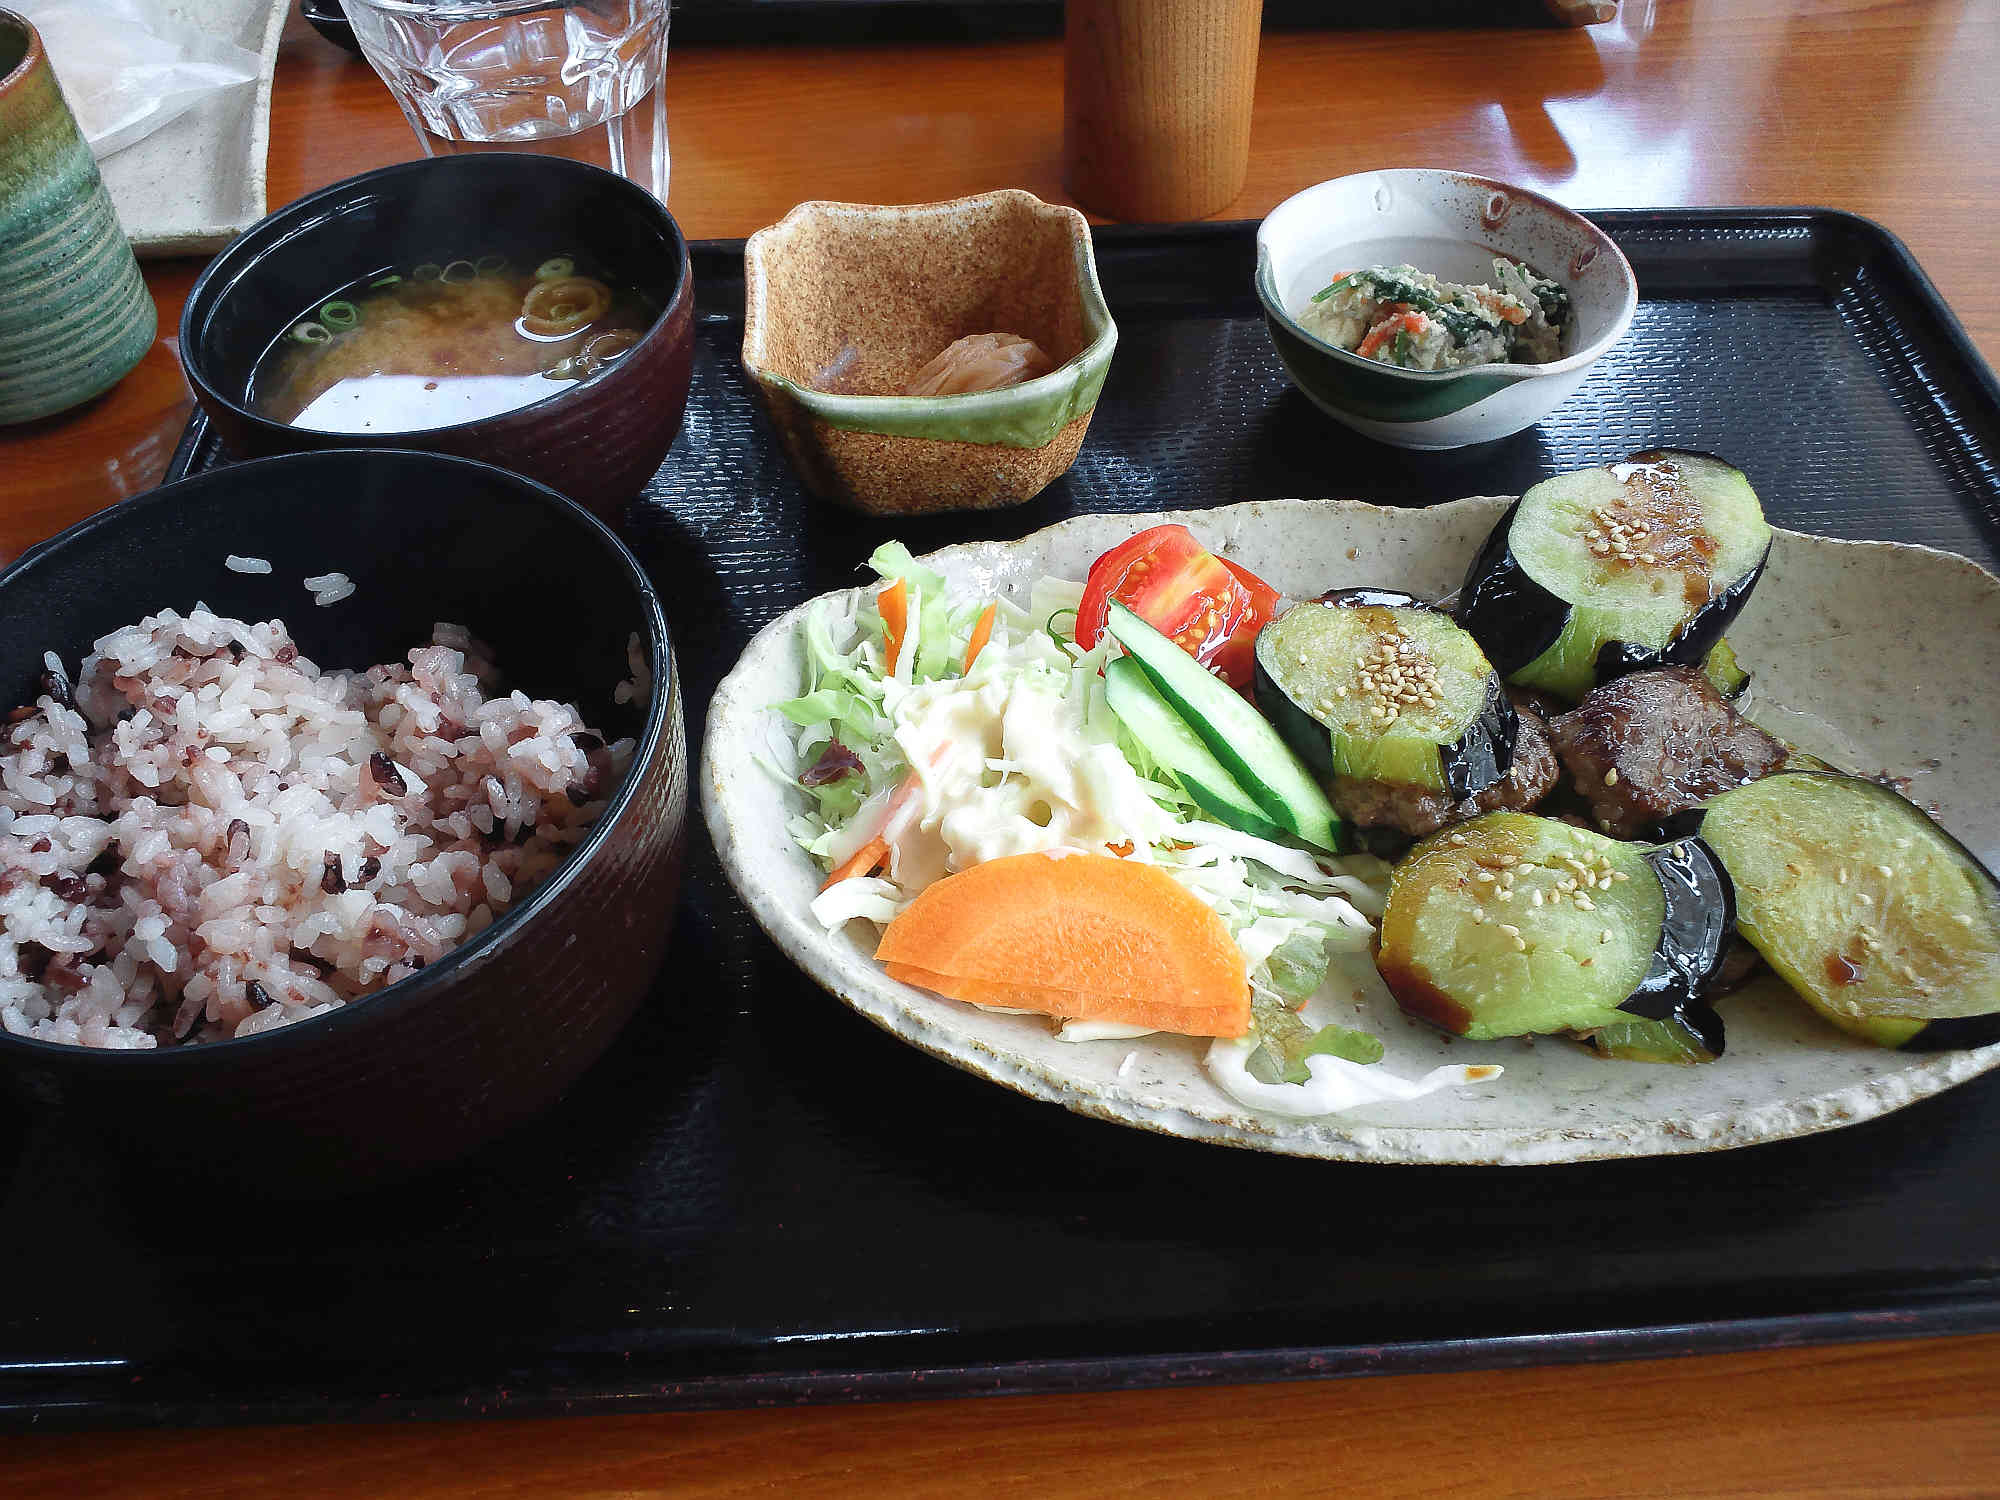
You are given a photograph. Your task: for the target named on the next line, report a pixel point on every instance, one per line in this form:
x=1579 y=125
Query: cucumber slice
x=1879 y=919
x=1610 y=570
x=1234 y=732
x=1510 y=925
x=1381 y=687
x=1170 y=742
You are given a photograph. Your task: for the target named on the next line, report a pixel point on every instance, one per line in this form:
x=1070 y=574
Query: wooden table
x=1889 y=108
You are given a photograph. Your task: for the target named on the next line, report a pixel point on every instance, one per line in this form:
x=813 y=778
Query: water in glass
x=573 y=78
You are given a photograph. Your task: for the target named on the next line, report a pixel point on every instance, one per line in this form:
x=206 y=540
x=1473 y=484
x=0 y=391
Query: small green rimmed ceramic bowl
x=846 y=297
x=1450 y=224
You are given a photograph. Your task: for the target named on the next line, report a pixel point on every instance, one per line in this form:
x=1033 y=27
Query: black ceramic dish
x=595 y=440
x=427 y=1068
x=329 y=19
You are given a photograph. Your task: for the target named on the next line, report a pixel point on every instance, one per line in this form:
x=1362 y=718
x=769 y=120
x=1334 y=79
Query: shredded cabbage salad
x=1023 y=754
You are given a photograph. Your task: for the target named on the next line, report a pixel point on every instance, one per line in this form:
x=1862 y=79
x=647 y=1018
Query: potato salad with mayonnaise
x=940 y=740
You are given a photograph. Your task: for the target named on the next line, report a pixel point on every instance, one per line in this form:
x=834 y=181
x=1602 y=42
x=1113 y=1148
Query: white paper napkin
x=128 y=67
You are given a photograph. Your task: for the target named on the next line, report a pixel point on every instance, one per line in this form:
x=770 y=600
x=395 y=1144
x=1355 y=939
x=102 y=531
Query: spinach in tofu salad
x=1401 y=316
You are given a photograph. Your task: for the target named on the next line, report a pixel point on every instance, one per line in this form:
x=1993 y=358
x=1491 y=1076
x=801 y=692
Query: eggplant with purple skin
x=1379 y=686
x=1879 y=919
x=1604 y=571
x=1513 y=925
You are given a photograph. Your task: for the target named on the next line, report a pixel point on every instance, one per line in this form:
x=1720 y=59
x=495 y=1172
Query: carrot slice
x=981 y=634
x=894 y=602
x=863 y=861
x=1084 y=936
x=1409 y=322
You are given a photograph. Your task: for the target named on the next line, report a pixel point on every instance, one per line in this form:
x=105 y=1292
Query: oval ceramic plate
x=1848 y=659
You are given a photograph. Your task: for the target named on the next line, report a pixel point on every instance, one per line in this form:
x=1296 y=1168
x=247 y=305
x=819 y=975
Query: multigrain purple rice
x=202 y=835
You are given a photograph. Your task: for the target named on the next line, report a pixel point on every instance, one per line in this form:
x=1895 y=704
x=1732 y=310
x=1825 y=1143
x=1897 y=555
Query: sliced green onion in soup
x=382 y=281
x=488 y=265
x=555 y=268
x=459 y=271
x=311 y=333
x=339 y=314
x=430 y=270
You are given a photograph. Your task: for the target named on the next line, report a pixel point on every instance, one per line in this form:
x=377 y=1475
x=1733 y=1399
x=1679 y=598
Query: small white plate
x=195 y=184
x=1876 y=655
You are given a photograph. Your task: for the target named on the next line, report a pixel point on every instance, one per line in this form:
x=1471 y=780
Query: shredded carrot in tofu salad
x=935 y=736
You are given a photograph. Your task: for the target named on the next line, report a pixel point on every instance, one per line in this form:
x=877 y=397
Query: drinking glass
x=573 y=78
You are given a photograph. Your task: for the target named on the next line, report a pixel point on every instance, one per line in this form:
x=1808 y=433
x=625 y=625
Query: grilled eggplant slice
x=1511 y=925
x=1725 y=673
x=1605 y=571
x=1879 y=919
x=1379 y=686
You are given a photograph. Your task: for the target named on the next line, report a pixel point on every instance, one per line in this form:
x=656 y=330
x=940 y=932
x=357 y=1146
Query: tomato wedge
x=1208 y=606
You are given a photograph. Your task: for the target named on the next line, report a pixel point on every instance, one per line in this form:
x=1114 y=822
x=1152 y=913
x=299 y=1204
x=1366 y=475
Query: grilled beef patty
x=1645 y=746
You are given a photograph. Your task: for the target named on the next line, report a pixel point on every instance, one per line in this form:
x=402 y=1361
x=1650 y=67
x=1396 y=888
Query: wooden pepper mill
x=1156 y=104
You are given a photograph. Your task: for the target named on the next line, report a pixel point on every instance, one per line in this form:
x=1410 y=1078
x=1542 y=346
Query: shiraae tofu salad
x=1167 y=799
x=1399 y=315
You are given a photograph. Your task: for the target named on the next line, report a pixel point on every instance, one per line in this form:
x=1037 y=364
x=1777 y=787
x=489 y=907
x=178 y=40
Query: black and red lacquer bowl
x=423 y=1070
x=596 y=440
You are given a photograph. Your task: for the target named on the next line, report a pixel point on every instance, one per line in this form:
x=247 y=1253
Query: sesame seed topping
x=1503 y=892
x=1866 y=899
x=1510 y=929
x=1887 y=872
x=1611 y=777
x=1840 y=875
x=1458 y=839
x=1520 y=945
x=1604 y=936
x=1962 y=918
x=1484 y=877
x=1536 y=897
x=1585 y=902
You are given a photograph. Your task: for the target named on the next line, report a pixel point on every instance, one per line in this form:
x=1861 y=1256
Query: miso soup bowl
x=844 y=302
x=596 y=440
x=423 y=1070
x=1451 y=224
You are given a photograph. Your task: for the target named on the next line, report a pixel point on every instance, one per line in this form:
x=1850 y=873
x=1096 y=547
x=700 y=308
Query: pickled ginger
x=980 y=362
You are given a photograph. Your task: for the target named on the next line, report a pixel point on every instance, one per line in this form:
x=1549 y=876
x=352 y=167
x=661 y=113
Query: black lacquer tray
x=758 y=1197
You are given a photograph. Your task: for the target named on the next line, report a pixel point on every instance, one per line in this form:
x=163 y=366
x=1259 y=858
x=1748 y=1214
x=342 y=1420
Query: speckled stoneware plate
x=1850 y=660
x=195 y=184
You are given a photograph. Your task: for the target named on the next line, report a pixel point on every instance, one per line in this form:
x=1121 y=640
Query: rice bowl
x=208 y=837
x=433 y=1064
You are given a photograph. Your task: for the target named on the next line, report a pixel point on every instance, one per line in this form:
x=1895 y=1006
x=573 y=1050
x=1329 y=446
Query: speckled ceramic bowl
x=863 y=297
x=1450 y=224
x=1845 y=660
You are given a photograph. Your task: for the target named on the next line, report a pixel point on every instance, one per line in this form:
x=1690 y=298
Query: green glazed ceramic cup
x=74 y=313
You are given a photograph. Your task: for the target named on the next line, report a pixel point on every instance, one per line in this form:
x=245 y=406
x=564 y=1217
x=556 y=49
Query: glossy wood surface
x=1888 y=108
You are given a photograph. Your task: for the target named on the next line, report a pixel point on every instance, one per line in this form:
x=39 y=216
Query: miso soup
x=445 y=342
